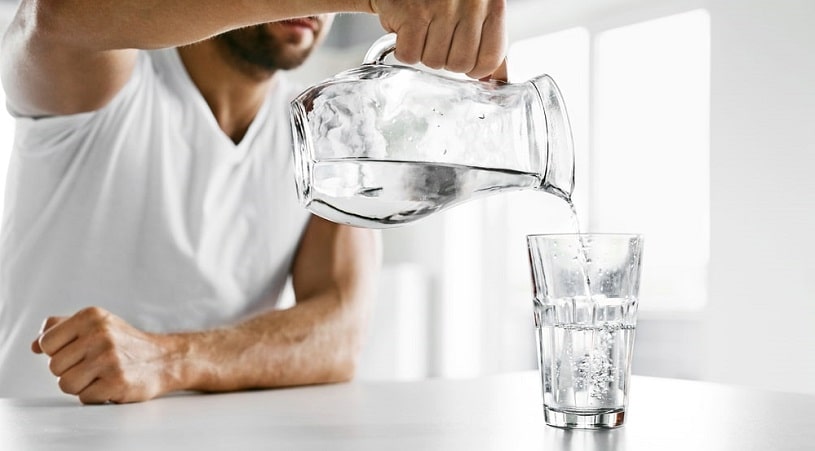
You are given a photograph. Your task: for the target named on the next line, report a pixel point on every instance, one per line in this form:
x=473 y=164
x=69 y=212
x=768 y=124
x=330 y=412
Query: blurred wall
x=762 y=310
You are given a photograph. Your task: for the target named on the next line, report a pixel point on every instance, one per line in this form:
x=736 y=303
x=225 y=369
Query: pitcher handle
x=380 y=49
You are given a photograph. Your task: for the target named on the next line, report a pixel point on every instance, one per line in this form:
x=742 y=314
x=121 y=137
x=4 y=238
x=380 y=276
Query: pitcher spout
x=558 y=178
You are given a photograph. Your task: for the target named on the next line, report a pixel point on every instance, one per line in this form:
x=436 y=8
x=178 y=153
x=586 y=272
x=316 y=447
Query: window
x=565 y=57
x=650 y=156
x=638 y=101
x=485 y=291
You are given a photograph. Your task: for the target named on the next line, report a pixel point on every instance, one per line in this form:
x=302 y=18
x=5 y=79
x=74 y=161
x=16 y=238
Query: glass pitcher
x=383 y=145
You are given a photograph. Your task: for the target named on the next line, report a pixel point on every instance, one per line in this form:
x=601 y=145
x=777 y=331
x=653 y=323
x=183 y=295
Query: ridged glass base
x=584 y=420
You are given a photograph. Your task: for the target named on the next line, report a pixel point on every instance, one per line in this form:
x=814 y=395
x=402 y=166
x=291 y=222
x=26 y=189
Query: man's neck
x=233 y=93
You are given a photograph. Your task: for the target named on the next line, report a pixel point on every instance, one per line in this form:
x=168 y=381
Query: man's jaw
x=299 y=32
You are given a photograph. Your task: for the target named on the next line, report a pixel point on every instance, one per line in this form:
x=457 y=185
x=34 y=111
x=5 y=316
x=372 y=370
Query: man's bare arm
x=70 y=56
x=100 y=357
x=318 y=340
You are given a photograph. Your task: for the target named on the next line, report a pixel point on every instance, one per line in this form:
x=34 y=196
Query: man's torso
x=145 y=208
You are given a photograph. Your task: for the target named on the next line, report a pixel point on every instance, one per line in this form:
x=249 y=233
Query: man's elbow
x=345 y=364
x=53 y=21
x=43 y=19
x=344 y=371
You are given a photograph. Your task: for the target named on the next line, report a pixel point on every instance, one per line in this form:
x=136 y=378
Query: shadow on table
x=580 y=440
x=46 y=402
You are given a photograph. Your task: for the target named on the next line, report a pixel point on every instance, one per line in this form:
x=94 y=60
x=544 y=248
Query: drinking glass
x=585 y=299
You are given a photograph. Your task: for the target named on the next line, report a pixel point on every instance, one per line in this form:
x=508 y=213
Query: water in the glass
x=585 y=312
x=584 y=350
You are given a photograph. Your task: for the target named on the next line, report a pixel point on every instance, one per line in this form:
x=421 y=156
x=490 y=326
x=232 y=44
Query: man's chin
x=290 y=62
x=294 y=35
x=270 y=46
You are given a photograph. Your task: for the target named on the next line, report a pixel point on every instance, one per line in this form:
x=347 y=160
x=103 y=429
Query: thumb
x=500 y=74
x=49 y=322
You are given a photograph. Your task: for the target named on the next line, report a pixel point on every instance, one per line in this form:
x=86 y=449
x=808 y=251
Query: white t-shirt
x=147 y=209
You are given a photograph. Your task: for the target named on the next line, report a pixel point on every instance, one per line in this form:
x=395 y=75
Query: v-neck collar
x=184 y=82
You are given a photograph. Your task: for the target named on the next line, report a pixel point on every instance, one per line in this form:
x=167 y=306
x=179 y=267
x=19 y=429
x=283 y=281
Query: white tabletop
x=494 y=413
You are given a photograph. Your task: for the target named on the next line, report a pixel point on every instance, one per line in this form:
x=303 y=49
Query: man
x=151 y=218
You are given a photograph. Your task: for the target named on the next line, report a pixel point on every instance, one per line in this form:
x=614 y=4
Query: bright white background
x=724 y=197
x=753 y=305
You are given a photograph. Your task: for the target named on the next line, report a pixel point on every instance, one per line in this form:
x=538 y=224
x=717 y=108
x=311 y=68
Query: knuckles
x=104 y=341
x=496 y=7
x=115 y=370
x=93 y=314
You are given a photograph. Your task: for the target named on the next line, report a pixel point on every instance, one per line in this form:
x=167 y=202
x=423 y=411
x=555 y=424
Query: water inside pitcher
x=383 y=145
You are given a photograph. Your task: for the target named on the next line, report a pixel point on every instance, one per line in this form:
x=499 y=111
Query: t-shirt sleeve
x=43 y=135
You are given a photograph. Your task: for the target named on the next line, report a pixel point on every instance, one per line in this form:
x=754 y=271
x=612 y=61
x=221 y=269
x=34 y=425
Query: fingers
x=464 y=47
x=59 y=332
x=410 y=43
x=96 y=382
x=96 y=392
x=57 y=336
x=466 y=36
x=437 y=44
x=492 y=47
x=77 y=378
x=54 y=338
x=82 y=349
x=500 y=74
x=49 y=322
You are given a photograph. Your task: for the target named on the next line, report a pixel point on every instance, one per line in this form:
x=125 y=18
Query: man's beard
x=259 y=50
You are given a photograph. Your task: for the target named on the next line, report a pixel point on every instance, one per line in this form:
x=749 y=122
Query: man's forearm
x=121 y=24
x=317 y=341
x=99 y=357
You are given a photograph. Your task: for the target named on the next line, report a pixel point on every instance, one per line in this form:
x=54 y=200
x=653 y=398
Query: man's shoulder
x=132 y=104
